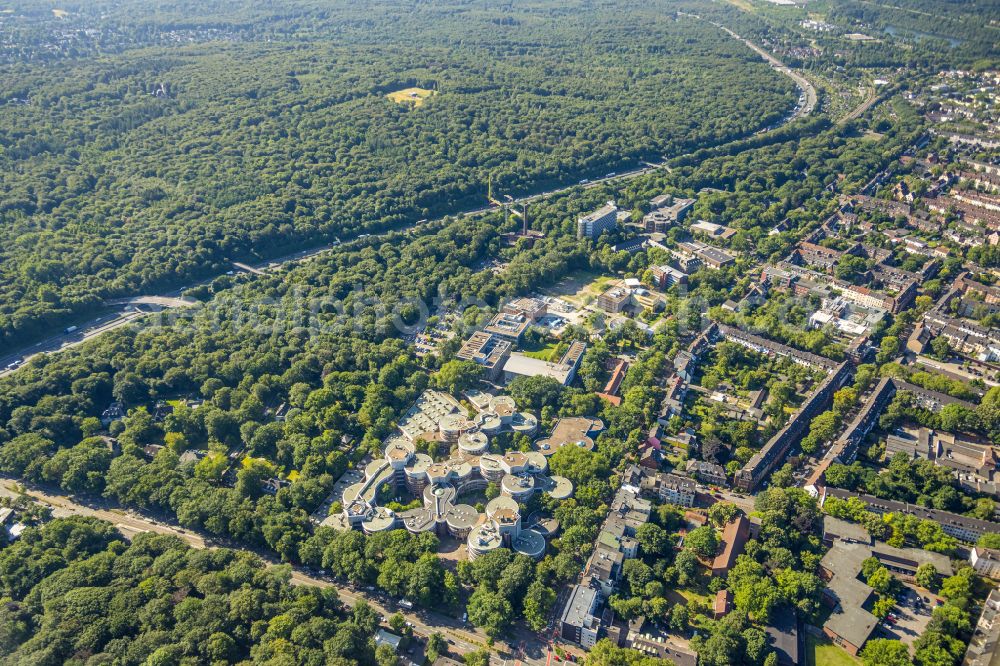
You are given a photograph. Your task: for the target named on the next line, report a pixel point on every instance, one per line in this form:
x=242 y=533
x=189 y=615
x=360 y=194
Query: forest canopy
x=196 y=140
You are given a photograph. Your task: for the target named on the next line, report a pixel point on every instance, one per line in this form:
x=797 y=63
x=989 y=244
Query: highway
x=110 y=322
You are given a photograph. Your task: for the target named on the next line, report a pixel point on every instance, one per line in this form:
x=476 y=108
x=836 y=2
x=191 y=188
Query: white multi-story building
x=596 y=223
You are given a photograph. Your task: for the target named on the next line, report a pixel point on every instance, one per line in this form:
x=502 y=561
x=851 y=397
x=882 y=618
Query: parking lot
x=912 y=616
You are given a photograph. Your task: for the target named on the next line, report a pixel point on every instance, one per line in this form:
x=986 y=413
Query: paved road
x=106 y=323
x=462 y=638
x=802 y=82
x=64 y=340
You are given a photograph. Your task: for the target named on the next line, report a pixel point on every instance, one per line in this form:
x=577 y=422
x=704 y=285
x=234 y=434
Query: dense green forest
x=184 y=140
x=74 y=591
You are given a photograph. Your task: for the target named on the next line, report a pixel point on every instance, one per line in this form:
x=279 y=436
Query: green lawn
x=821 y=652
x=542 y=353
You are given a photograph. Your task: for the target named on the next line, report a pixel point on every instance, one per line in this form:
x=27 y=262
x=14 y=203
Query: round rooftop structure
x=504 y=511
x=559 y=487
x=418 y=520
x=439 y=496
x=398 y=451
x=530 y=543
x=438 y=472
x=519 y=487
x=461 y=469
x=547 y=448
x=538 y=462
x=503 y=406
x=489 y=423
x=374 y=468
x=473 y=443
x=453 y=425
x=514 y=462
x=483 y=539
x=461 y=518
x=351 y=493
x=418 y=466
x=545 y=525
x=491 y=466
x=381 y=520
x=524 y=423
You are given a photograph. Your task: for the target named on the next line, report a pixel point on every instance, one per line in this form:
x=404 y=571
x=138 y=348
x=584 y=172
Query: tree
x=850 y=268
x=537 y=604
x=950 y=620
x=885 y=652
x=926 y=576
x=723 y=647
x=723 y=513
x=489 y=610
x=990 y=540
x=703 y=541
x=783 y=477
x=940 y=348
x=686 y=565
x=679 y=618
x=958 y=587
x=385 y=655
x=883 y=606
x=577 y=464
x=456 y=376
x=436 y=646
x=844 y=400
x=397 y=622
x=535 y=392
x=880 y=580
x=653 y=539
x=477 y=658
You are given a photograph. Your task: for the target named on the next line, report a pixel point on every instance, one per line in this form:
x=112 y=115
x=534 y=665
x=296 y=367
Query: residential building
x=774 y=451
x=784 y=637
x=666 y=212
x=669 y=488
x=615 y=299
x=851 y=623
x=383 y=637
x=707 y=472
x=975 y=464
x=986 y=561
x=835 y=529
x=532 y=308
x=712 y=230
x=961 y=527
x=723 y=604
x=579 y=624
x=984 y=648
x=665 y=277
x=712 y=257
x=596 y=223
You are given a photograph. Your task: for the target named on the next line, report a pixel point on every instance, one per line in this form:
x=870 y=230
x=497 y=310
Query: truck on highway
x=71 y=329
